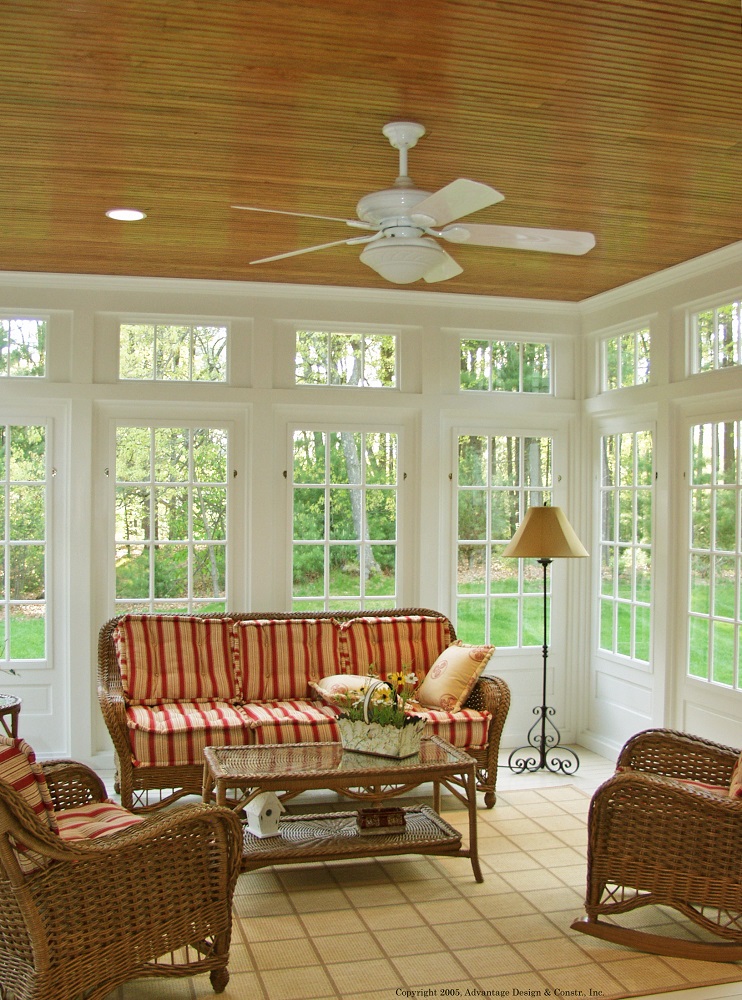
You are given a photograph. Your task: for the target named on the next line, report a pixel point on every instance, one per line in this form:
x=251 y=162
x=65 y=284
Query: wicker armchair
x=82 y=917
x=653 y=838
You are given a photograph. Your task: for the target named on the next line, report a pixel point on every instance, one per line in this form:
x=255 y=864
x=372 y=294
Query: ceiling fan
x=402 y=219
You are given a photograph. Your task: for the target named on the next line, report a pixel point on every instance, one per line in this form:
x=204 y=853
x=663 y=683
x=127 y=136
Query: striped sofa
x=170 y=685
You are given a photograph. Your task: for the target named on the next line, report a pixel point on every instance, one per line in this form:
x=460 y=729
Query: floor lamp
x=544 y=534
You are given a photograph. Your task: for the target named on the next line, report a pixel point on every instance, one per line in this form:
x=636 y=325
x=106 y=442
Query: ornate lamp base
x=543 y=750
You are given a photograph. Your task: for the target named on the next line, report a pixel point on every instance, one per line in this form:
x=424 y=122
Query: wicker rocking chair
x=664 y=830
x=79 y=917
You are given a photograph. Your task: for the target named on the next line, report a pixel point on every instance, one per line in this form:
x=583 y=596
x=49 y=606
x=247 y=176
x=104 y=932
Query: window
x=357 y=359
x=498 y=600
x=626 y=544
x=716 y=337
x=626 y=359
x=23 y=543
x=22 y=347
x=345 y=499
x=715 y=554
x=173 y=352
x=505 y=366
x=171 y=518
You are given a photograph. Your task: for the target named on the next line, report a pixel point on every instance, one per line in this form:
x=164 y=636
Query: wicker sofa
x=170 y=685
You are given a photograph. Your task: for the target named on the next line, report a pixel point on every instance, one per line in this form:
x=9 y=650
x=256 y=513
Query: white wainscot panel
x=712 y=724
x=619 y=708
x=36 y=722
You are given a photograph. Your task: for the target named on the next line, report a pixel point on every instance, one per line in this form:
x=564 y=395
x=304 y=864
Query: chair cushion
x=403 y=644
x=279 y=657
x=296 y=721
x=450 y=680
x=18 y=768
x=176 y=733
x=94 y=819
x=175 y=657
x=465 y=729
x=735 y=786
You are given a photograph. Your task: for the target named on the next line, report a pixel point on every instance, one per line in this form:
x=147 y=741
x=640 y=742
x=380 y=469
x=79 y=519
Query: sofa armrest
x=678 y=755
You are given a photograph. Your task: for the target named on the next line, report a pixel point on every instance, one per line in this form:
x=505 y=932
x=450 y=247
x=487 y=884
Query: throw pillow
x=450 y=680
x=336 y=689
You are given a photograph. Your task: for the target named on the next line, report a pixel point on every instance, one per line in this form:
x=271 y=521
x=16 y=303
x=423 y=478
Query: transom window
x=173 y=352
x=366 y=360
x=626 y=544
x=23 y=543
x=625 y=359
x=22 y=347
x=716 y=337
x=505 y=366
x=499 y=600
x=345 y=513
x=715 y=617
x=171 y=518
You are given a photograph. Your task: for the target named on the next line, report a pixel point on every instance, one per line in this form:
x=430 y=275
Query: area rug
x=422 y=927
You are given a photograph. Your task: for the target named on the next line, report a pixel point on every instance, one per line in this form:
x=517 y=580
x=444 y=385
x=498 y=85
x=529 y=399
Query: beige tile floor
x=351 y=930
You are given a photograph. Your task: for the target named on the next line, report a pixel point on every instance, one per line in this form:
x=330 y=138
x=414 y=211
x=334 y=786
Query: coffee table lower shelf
x=333 y=836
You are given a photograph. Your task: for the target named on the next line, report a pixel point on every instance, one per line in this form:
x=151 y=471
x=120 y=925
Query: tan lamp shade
x=545 y=533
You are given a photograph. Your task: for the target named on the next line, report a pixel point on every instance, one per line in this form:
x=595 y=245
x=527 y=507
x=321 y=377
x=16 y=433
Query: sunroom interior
x=607 y=384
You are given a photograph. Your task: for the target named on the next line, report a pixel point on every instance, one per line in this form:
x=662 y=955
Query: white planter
x=381 y=741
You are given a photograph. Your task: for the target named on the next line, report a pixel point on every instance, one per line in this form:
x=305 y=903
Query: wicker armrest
x=681 y=827
x=679 y=755
x=72 y=784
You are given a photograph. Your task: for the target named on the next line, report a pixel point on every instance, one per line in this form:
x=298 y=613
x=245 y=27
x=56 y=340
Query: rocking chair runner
x=665 y=829
x=84 y=909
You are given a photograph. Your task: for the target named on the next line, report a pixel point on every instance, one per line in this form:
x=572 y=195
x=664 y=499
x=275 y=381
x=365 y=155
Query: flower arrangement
x=387 y=702
x=373 y=718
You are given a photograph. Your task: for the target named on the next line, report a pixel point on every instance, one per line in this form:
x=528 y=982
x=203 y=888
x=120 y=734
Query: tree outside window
x=344 y=517
x=498 y=600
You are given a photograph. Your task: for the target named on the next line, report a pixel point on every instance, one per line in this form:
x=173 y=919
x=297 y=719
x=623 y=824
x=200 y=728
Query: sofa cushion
x=297 y=721
x=176 y=733
x=466 y=729
x=279 y=657
x=175 y=657
x=94 y=819
x=450 y=680
x=406 y=643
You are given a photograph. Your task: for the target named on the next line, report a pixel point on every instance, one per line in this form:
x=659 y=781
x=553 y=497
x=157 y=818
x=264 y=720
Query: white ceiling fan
x=402 y=219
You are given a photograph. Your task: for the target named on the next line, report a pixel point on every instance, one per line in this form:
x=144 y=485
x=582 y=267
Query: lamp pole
x=564 y=760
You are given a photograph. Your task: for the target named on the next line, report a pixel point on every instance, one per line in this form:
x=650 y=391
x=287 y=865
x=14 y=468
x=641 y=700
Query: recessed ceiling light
x=126 y=214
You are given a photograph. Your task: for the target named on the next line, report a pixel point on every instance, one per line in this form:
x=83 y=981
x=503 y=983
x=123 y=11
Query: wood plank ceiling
x=621 y=117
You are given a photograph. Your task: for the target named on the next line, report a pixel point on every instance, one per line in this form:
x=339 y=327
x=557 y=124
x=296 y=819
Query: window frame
x=521 y=341
x=173 y=321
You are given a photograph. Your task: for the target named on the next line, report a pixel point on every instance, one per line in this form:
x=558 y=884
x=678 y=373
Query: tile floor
x=366 y=936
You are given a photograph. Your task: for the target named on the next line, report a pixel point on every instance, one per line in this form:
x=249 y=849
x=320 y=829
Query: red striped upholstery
x=293 y=722
x=172 y=657
x=19 y=769
x=466 y=729
x=406 y=642
x=281 y=656
x=176 y=733
x=94 y=819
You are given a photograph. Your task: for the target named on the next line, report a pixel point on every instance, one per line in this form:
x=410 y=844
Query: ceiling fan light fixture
x=402 y=261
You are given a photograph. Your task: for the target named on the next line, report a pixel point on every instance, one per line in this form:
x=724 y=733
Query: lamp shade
x=403 y=260
x=545 y=533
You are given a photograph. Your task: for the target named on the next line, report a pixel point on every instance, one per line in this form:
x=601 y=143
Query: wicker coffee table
x=329 y=836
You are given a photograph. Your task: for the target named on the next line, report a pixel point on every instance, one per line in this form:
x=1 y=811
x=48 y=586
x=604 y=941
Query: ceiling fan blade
x=459 y=198
x=320 y=246
x=356 y=223
x=520 y=238
x=445 y=269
